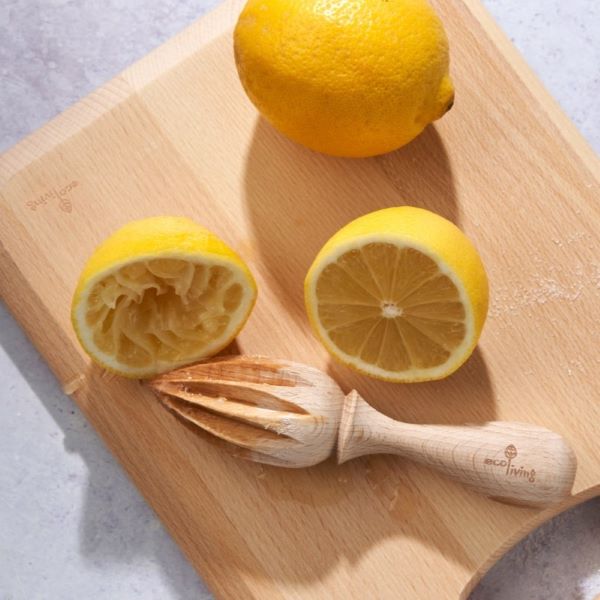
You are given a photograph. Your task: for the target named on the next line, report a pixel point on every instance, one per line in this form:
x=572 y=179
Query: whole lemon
x=345 y=77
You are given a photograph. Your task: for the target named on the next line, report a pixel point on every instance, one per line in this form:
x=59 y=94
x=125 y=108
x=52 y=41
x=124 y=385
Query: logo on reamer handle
x=511 y=453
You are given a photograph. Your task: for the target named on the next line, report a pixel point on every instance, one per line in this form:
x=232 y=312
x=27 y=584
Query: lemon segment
x=158 y=294
x=400 y=294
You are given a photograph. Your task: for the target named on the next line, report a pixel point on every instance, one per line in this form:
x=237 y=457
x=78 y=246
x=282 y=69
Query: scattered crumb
x=596 y=276
x=575 y=365
x=575 y=237
x=73 y=384
x=108 y=375
x=554 y=285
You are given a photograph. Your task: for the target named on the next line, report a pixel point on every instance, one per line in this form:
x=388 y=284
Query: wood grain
x=484 y=457
x=276 y=412
x=174 y=134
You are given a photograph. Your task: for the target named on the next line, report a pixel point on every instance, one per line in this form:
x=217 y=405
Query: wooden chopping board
x=175 y=134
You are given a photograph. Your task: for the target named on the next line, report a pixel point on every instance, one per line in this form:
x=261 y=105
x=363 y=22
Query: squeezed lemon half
x=160 y=293
x=400 y=294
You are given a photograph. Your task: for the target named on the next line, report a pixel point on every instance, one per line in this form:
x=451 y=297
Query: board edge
x=116 y=90
x=536 y=88
x=530 y=526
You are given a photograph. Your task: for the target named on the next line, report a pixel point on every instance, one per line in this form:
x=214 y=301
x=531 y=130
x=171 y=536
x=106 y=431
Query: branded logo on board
x=59 y=196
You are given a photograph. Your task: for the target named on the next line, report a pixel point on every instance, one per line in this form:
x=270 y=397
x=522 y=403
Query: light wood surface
x=174 y=134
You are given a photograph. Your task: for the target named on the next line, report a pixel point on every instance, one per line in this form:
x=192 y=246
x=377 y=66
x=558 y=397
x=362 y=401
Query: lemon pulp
x=160 y=293
x=391 y=307
x=178 y=307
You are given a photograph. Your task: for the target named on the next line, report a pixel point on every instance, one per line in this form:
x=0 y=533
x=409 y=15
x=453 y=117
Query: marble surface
x=71 y=523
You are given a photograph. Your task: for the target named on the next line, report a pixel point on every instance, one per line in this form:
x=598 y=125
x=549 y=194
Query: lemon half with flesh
x=400 y=294
x=160 y=293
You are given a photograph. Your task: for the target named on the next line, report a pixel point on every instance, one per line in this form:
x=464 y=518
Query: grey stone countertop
x=71 y=523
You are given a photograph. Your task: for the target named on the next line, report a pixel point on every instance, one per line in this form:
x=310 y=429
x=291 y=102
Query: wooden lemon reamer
x=291 y=415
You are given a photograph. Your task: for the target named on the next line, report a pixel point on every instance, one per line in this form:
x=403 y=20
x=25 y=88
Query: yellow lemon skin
x=351 y=78
x=153 y=238
x=437 y=238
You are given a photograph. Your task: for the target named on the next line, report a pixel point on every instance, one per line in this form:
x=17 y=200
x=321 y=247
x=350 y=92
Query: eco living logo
x=61 y=195
x=511 y=452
